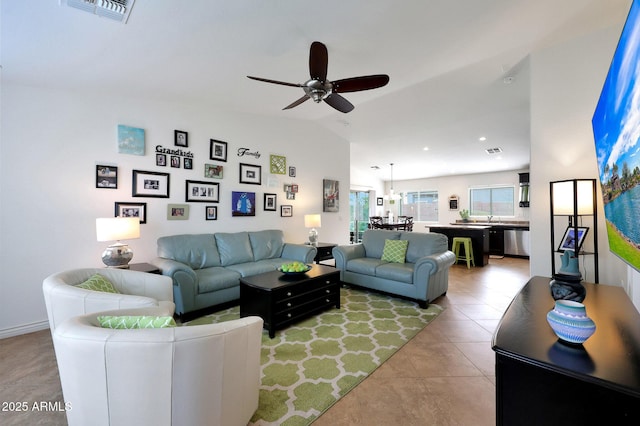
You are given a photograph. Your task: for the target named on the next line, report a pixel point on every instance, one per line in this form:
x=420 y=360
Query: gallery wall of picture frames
x=157 y=184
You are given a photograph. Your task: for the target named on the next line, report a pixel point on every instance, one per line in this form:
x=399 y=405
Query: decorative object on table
x=270 y=202
x=567 y=283
x=117 y=255
x=570 y=322
x=150 y=184
x=320 y=89
x=251 y=174
x=106 y=177
x=217 y=150
x=243 y=203
x=294 y=268
x=278 y=164
x=286 y=211
x=313 y=221
x=181 y=138
x=177 y=211
x=213 y=171
x=575 y=199
x=464 y=214
x=130 y=140
x=202 y=191
x=137 y=210
x=211 y=213
x=330 y=195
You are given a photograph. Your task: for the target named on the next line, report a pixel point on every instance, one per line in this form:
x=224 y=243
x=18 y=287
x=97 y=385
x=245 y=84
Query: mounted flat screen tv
x=616 y=130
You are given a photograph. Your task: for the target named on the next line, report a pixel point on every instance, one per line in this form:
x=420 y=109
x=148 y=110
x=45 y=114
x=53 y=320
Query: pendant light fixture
x=391 y=196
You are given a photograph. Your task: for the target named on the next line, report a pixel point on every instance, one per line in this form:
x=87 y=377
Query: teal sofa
x=206 y=268
x=423 y=276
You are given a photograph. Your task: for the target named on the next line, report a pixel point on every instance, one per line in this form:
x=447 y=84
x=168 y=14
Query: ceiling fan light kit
x=320 y=89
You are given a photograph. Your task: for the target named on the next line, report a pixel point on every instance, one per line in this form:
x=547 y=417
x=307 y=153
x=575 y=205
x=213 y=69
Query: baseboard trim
x=24 y=329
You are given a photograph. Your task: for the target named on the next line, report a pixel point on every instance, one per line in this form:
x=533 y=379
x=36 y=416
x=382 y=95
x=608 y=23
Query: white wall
x=459 y=186
x=52 y=140
x=566 y=81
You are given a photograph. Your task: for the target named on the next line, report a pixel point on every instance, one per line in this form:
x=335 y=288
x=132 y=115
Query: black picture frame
x=380 y=201
x=292 y=171
x=211 y=213
x=161 y=160
x=125 y=209
x=217 y=150
x=243 y=203
x=568 y=240
x=286 y=211
x=197 y=191
x=175 y=161
x=150 y=184
x=187 y=163
x=181 y=138
x=270 y=202
x=250 y=174
x=106 y=177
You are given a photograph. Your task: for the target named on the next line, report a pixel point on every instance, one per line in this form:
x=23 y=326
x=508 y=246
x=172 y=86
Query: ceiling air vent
x=493 y=150
x=118 y=10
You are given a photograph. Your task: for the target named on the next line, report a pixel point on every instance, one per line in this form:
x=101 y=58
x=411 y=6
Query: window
x=422 y=205
x=495 y=201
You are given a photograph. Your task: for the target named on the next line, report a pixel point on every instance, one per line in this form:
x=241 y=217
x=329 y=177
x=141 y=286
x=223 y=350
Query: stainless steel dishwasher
x=516 y=242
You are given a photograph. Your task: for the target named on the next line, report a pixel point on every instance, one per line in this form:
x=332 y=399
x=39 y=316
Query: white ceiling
x=447 y=61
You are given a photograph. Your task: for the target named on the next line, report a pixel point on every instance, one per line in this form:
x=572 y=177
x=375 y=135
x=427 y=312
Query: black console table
x=540 y=381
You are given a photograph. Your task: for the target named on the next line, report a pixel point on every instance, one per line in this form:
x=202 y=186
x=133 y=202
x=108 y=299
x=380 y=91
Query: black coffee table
x=281 y=299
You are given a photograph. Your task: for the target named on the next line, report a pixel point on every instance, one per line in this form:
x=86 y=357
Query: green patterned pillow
x=395 y=250
x=133 y=321
x=98 y=282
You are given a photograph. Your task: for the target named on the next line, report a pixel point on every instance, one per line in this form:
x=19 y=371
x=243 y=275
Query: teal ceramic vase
x=570 y=322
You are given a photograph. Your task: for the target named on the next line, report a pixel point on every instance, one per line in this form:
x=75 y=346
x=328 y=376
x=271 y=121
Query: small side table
x=324 y=252
x=144 y=267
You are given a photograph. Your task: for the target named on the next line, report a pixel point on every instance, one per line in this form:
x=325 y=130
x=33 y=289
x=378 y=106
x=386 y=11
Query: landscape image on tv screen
x=616 y=129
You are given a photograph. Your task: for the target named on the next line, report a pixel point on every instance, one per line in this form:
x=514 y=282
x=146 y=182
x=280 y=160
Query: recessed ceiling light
x=482 y=138
x=426 y=148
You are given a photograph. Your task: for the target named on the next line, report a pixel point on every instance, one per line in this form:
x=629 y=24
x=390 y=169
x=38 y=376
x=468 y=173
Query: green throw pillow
x=98 y=282
x=132 y=321
x=395 y=250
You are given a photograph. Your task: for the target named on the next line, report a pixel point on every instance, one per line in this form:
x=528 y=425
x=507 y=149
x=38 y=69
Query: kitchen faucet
x=489 y=218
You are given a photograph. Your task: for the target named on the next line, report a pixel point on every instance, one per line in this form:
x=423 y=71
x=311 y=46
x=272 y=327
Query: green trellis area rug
x=310 y=365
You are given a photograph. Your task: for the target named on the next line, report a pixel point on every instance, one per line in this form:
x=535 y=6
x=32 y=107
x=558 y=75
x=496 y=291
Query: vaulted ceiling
x=459 y=69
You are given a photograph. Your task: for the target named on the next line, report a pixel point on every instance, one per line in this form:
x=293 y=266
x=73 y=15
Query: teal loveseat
x=423 y=276
x=206 y=268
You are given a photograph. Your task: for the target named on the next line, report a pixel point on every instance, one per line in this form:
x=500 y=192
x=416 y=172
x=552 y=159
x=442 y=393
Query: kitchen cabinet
x=496 y=241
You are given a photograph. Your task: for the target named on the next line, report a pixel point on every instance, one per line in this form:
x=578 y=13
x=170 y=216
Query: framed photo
x=107 y=177
x=211 y=213
x=138 y=210
x=130 y=140
x=177 y=212
x=292 y=171
x=250 y=174
x=380 y=201
x=291 y=195
x=213 y=171
x=278 y=164
x=181 y=138
x=569 y=239
x=243 y=203
x=175 y=161
x=188 y=163
x=217 y=150
x=150 y=184
x=270 y=202
x=286 y=211
x=330 y=195
x=202 y=192
x=161 y=160
x=294 y=187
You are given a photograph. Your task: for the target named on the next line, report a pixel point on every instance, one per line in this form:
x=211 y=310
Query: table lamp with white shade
x=117 y=255
x=312 y=221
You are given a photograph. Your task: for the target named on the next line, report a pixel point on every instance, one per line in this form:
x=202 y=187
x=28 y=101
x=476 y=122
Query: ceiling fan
x=319 y=88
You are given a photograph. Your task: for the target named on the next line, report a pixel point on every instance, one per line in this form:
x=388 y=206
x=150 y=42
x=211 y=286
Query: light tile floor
x=444 y=376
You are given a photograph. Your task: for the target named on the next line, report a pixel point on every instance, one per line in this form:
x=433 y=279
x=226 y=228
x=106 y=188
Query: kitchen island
x=479 y=235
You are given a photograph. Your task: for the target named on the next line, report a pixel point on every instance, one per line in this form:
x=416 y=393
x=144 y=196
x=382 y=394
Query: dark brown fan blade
x=275 y=82
x=357 y=84
x=339 y=103
x=318 y=60
x=296 y=103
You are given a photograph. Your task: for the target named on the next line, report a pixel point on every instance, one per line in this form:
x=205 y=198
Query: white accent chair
x=189 y=375
x=137 y=289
